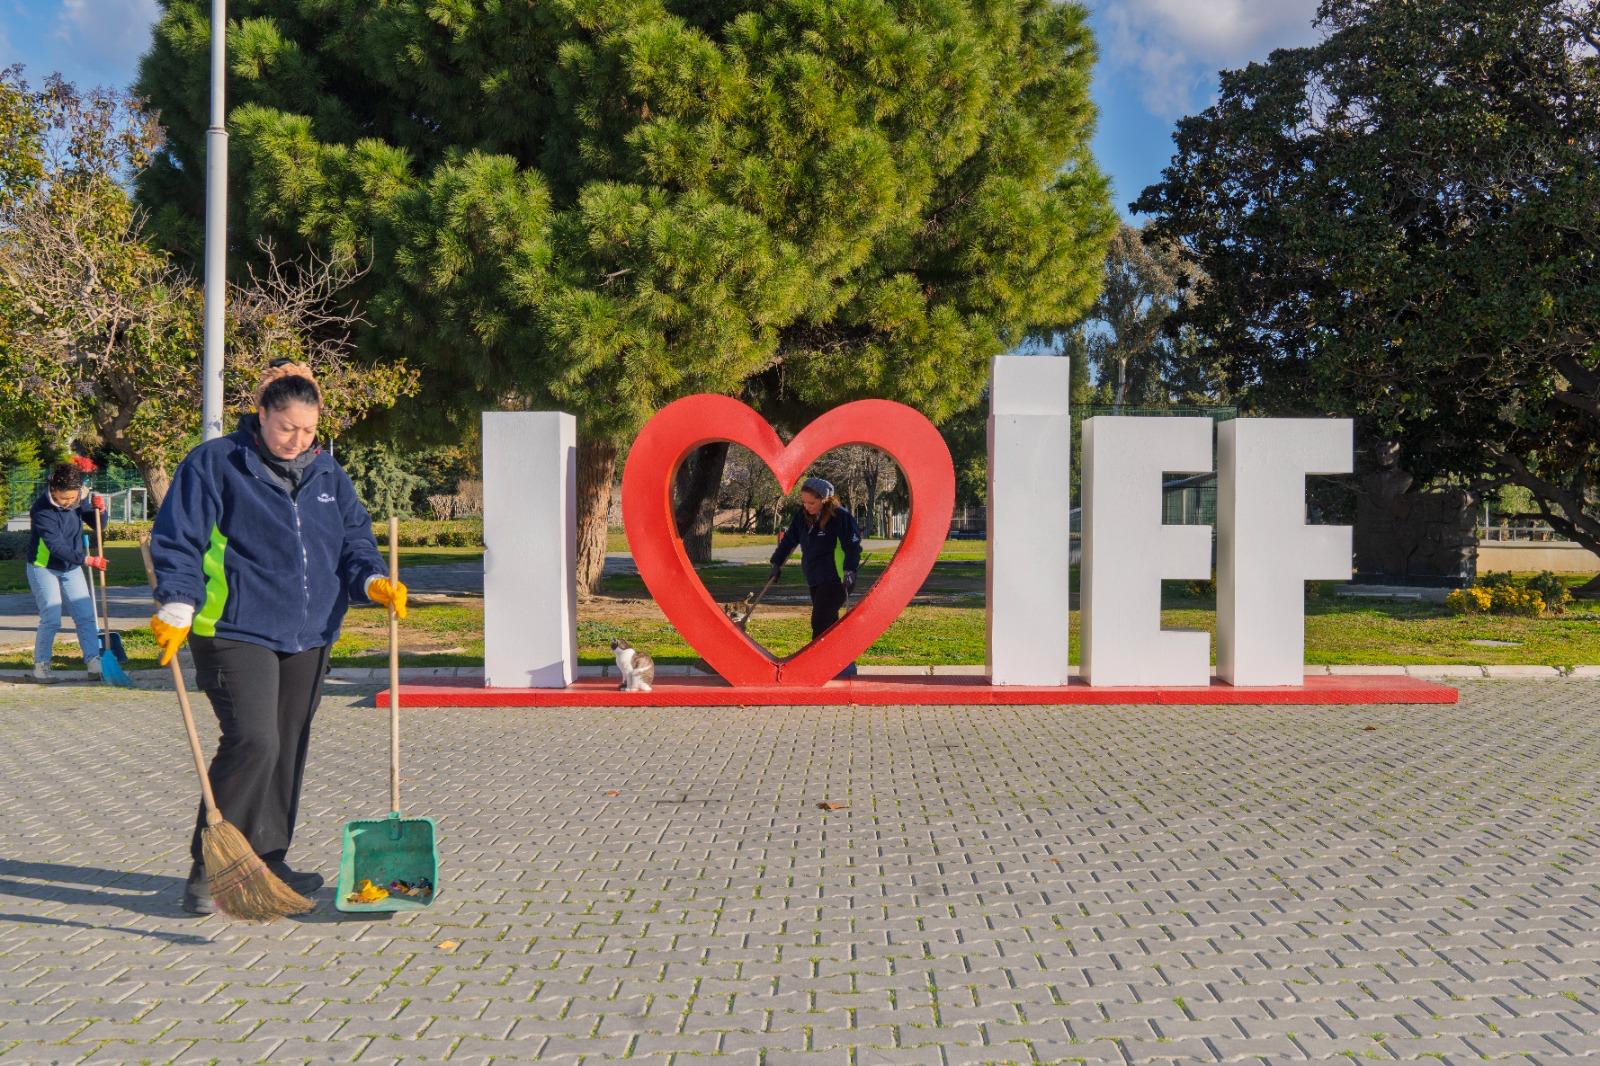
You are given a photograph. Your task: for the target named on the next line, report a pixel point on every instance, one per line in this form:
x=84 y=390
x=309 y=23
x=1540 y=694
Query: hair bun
x=283 y=368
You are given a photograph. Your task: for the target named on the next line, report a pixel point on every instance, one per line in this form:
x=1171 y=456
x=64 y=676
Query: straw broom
x=237 y=878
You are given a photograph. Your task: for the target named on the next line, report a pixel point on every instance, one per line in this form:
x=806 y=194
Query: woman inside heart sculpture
x=830 y=551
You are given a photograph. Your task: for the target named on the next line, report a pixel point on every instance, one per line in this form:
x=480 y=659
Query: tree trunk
x=156 y=480
x=597 y=462
x=111 y=423
x=870 y=474
x=699 y=483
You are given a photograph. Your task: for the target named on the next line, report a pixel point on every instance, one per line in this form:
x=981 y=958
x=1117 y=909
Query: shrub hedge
x=12 y=545
x=428 y=533
x=414 y=533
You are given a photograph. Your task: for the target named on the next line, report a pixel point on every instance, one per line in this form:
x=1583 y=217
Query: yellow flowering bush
x=1508 y=599
x=1474 y=600
x=1500 y=593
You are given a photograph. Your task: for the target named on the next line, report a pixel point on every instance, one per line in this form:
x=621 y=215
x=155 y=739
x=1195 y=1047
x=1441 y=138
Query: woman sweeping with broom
x=258 y=549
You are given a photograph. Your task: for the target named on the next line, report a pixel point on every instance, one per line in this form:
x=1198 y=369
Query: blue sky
x=1158 y=60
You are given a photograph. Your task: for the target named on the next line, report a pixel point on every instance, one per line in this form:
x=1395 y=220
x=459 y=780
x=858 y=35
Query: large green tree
x=1402 y=223
x=601 y=205
x=1135 y=357
x=99 y=329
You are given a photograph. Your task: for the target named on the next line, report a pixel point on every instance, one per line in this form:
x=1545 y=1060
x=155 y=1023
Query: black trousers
x=826 y=600
x=264 y=701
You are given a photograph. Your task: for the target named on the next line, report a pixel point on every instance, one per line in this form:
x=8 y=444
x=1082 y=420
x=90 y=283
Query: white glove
x=177 y=614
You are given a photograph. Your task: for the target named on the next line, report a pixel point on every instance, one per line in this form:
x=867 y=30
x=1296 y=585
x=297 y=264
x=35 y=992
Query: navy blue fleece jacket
x=827 y=551
x=260 y=564
x=55 y=538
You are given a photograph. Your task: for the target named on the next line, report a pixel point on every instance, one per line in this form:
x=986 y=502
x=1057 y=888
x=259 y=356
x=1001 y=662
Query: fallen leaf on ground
x=830 y=805
x=1369 y=729
x=612 y=792
x=448 y=945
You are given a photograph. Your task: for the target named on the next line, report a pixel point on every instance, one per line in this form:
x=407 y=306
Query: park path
x=1126 y=885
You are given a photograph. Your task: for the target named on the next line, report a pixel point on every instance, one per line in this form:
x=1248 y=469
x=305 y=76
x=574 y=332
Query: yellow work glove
x=171 y=627
x=388 y=593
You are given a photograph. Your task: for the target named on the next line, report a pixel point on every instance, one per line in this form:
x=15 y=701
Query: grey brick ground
x=1105 y=885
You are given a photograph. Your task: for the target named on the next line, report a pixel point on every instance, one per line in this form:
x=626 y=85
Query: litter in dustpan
x=388 y=864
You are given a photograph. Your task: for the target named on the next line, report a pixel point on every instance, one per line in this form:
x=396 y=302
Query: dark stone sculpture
x=1413 y=538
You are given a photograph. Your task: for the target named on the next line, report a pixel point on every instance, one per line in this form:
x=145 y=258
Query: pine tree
x=602 y=205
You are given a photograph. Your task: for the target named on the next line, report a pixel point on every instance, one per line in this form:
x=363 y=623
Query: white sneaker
x=94 y=669
x=42 y=674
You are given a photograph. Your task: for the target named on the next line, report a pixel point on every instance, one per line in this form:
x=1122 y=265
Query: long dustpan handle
x=394 y=670
x=212 y=815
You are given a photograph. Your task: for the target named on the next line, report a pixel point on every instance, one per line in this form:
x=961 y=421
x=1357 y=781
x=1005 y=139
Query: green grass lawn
x=1338 y=630
x=617 y=540
x=435 y=556
x=125 y=568
x=945 y=625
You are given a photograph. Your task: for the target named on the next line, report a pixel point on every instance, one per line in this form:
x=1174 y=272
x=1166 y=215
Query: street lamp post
x=216 y=232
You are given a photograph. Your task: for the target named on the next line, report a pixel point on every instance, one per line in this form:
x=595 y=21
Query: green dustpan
x=384 y=850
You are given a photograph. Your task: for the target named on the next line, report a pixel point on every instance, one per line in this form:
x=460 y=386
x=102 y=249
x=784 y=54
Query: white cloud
x=109 y=31
x=1176 y=47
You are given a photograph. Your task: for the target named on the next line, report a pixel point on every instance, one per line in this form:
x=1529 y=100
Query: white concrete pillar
x=1128 y=551
x=1029 y=520
x=1265 y=550
x=530 y=534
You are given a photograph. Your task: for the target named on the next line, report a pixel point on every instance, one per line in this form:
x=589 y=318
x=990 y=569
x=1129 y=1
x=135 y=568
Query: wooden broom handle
x=212 y=815
x=394 y=669
x=105 y=600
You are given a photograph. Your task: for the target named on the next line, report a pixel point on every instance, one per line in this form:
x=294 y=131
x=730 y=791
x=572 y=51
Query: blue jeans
x=50 y=588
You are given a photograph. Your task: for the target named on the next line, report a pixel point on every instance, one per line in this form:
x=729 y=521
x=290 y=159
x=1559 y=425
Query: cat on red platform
x=638 y=669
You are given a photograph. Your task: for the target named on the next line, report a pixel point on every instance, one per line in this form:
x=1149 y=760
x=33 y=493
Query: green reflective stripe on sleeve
x=205 y=621
x=42 y=556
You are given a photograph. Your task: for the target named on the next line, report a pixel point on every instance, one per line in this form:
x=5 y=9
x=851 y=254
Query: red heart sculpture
x=685 y=425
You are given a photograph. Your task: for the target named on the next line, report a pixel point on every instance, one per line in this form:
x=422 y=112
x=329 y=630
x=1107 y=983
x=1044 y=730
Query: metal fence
x=1524 y=531
x=126 y=497
x=1217 y=413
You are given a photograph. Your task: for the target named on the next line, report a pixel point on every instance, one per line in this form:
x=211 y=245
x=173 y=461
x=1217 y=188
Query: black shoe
x=196 y=896
x=303 y=883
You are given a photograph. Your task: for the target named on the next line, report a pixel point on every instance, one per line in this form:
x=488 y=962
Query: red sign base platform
x=918 y=691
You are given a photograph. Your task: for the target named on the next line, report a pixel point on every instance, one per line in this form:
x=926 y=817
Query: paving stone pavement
x=1007 y=885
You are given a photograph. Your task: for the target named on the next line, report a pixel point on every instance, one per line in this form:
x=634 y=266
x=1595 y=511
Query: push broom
x=237 y=878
